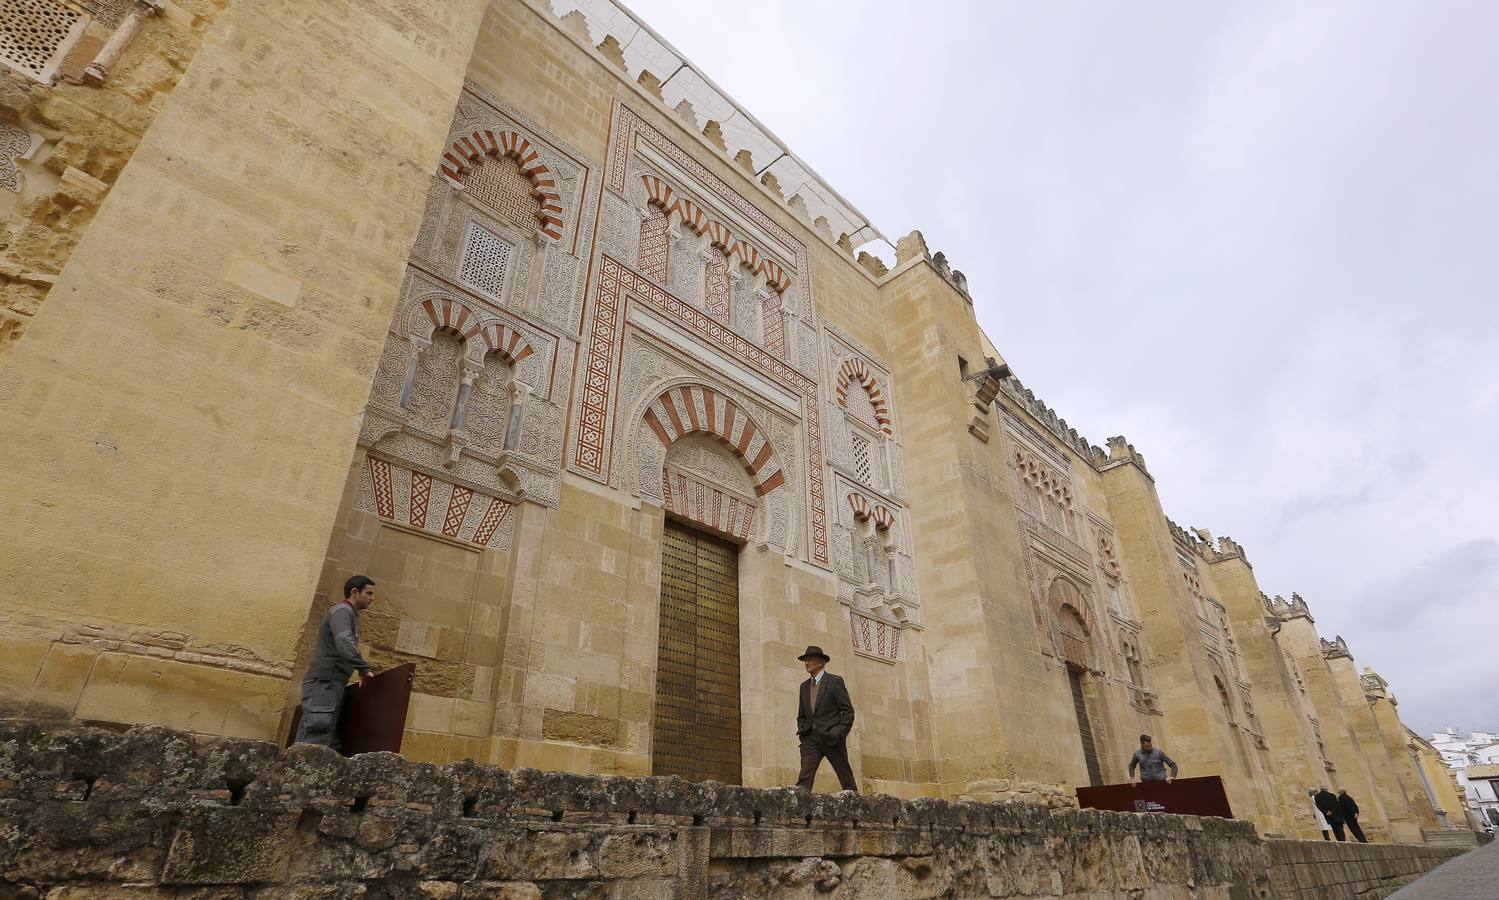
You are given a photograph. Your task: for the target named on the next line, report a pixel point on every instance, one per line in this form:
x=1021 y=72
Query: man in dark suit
x=1327 y=802
x=824 y=716
x=1350 y=814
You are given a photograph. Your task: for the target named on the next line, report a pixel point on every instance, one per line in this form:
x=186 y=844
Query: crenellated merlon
x=957 y=279
x=1375 y=687
x=662 y=73
x=1120 y=451
x=913 y=246
x=1335 y=648
x=1292 y=609
x=1038 y=410
x=1201 y=542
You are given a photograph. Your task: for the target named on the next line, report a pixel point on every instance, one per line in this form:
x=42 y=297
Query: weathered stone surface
x=151 y=813
x=579 y=728
x=234 y=845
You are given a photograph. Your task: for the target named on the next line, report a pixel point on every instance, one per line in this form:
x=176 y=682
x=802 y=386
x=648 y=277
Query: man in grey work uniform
x=1152 y=762
x=334 y=658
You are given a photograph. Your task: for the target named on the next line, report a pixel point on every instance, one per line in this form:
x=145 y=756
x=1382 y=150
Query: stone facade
x=156 y=813
x=486 y=324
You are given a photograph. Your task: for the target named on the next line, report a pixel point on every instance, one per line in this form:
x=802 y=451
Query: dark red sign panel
x=373 y=715
x=1186 y=796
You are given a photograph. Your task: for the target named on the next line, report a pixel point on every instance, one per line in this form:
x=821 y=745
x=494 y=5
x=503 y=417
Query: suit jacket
x=834 y=715
x=1350 y=808
x=1327 y=801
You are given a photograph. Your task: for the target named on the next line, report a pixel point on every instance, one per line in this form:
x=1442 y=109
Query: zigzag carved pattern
x=457 y=510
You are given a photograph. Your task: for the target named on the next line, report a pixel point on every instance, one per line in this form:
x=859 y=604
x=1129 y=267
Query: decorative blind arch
x=448 y=314
x=854 y=370
x=660 y=194
x=1063 y=593
x=695 y=409
x=453 y=316
x=657 y=192
x=510 y=343
x=469 y=150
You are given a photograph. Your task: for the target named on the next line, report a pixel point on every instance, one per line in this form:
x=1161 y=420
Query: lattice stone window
x=35 y=35
x=859 y=445
x=485 y=260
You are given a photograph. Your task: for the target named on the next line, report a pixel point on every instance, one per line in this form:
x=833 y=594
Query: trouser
x=1357 y=831
x=1337 y=829
x=1326 y=835
x=814 y=750
x=321 y=698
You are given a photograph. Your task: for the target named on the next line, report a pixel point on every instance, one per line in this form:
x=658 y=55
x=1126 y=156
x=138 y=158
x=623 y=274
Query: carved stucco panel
x=561 y=294
x=686 y=264
x=619 y=234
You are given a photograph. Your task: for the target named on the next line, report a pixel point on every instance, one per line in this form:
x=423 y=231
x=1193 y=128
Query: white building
x=1474 y=758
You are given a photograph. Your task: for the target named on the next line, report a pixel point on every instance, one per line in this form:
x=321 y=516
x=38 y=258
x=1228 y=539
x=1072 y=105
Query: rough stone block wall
x=1332 y=870
x=84 y=134
x=158 y=813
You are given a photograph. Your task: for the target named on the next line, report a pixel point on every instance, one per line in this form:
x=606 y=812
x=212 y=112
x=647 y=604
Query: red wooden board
x=373 y=717
x=1186 y=796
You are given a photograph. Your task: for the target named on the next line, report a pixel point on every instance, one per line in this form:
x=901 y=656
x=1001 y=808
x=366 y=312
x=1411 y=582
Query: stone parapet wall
x=1332 y=870
x=158 y=813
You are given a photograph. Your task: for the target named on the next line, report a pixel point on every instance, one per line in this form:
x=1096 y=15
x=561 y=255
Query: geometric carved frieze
x=874 y=638
x=705 y=482
x=705 y=504
x=433 y=504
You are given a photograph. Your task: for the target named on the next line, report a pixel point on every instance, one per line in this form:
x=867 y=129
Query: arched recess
x=1073 y=621
x=688 y=409
x=468 y=151
x=1220 y=683
x=854 y=371
x=437 y=312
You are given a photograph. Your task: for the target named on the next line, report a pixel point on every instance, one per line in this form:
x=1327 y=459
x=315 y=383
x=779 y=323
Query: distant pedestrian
x=824 y=717
x=334 y=658
x=1327 y=803
x=1350 y=814
x=1152 y=762
x=1321 y=819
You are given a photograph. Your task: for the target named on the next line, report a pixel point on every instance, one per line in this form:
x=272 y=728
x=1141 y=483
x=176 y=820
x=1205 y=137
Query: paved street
x=1472 y=876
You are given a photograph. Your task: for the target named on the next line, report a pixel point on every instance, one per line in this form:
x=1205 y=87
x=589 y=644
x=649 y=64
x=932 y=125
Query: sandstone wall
x=178 y=422
x=1329 y=870
x=157 y=813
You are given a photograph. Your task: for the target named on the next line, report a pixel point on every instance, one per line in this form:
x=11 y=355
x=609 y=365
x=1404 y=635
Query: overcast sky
x=1258 y=239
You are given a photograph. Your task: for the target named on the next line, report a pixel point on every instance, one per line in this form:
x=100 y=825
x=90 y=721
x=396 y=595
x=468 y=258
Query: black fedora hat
x=814 y=650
